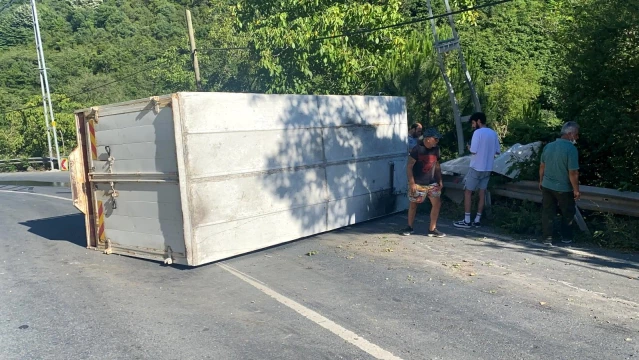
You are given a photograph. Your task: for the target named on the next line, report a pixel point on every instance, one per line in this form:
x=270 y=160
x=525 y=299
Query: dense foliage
x=535 y=63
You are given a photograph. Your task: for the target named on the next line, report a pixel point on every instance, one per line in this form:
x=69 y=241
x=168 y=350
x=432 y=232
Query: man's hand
x=577 y=194
x=540 y=187
x=412 y=187
x=441 y=185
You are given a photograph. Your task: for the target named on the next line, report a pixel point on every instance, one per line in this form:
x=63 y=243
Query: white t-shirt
x=484 y=147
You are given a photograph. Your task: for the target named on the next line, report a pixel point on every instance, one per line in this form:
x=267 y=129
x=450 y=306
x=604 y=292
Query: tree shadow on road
x=583 y=255
x=60 y=228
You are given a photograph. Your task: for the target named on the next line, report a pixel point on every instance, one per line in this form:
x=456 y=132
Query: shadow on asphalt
x=586 y=255
x=60 y=228
x=71 y=228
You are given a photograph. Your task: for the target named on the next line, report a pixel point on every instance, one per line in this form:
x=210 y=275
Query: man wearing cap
x=483 y=148
x=424 y=180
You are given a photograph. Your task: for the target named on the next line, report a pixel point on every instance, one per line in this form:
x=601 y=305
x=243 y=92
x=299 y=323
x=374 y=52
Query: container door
x=134 y=182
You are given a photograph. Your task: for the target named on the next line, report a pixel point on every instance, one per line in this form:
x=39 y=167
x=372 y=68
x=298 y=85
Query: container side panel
x=343 y=143
x=237 y=152
x=359 y=178
x=356 y=209
x=267 y=169
x=220 y=241
x=230 y=199
x=229 y=112
x=336 y=111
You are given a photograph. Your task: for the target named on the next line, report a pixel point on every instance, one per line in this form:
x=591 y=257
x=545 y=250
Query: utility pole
x=443 y=47
x=43 y=76
x=196 y=66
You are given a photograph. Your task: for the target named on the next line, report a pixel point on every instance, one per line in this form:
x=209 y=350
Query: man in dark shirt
x=425 y=180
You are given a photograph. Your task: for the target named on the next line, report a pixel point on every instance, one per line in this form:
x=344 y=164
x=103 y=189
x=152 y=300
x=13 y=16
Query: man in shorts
x=425 y=180
x=483 y=148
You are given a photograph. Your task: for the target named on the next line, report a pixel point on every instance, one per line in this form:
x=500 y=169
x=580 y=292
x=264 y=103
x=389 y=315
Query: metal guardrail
x=592 y=198
x=34 y=160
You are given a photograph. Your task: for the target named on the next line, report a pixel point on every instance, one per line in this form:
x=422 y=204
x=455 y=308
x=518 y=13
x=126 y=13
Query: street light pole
x=44 y=99
x=43 y=76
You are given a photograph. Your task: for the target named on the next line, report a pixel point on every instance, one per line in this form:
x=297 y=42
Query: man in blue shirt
x=559 y=182
x=414 y=133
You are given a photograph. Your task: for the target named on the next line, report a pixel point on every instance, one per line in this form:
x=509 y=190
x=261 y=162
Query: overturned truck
x=192 y=178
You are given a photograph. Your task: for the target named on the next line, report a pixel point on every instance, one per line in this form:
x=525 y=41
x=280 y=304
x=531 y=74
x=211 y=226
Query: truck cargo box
x=192 y=178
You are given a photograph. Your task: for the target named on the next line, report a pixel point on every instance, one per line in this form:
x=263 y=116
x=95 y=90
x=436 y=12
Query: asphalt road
x=365 y=293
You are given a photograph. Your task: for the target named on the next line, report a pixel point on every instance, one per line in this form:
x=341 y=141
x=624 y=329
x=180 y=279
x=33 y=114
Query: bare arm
x=409 y=173
x=438 y=175
x=542 y=168
x=574 y=180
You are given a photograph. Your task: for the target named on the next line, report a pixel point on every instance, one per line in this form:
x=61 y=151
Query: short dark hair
x=478 y=116
x=415 y=125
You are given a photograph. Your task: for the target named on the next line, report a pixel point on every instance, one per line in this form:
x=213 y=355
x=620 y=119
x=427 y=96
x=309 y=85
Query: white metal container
x=192 y=178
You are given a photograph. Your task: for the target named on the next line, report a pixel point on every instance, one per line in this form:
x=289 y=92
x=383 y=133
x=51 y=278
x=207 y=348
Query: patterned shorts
x=423 y=192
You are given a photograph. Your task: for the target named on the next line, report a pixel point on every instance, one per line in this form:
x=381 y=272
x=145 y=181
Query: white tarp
x=516 y=153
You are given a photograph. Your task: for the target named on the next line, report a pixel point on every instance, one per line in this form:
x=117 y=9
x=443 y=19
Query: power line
x=7 y=5
x=369 y=30
x=344 y=34
x=87 y=90
x=414 y=21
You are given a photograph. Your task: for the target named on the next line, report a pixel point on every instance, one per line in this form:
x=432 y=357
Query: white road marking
x=315 y=317
x=30 y=193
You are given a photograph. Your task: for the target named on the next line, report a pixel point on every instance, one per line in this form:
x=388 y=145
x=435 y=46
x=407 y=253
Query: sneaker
x=566 y=241
x=462 y=224
x=407 y=231
x=476 y=224
x=547 y=240
x=436 y=233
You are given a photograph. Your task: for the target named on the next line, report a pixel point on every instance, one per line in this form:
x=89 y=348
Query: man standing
x=483 y=148
x=425 y=180
x=559 y=182
x=414 y=133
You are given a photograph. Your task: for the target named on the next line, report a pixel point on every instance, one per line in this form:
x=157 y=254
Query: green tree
x=600 y=89
x=283 y=41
